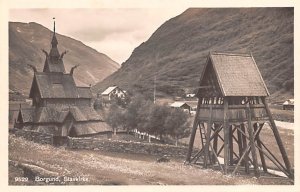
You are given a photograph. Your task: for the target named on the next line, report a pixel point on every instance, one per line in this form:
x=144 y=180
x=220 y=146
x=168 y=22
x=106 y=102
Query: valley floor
x=105 y=168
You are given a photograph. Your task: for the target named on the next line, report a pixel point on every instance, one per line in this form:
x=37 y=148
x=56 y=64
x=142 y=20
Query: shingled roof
x=179 y=104
x=54 y=66
x=82 y=128
x=84 y=92
x=27 y=115
x=58 y=114
x=237 y=74
x=58 y=85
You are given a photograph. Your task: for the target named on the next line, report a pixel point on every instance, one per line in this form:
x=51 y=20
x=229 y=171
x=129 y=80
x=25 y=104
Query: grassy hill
x=176 y=52
x=25 y=43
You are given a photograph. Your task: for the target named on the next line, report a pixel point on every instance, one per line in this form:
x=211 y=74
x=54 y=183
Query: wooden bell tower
x=231 y=112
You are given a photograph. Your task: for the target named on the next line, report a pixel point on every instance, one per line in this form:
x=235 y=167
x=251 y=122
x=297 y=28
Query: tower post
x=278 y=139
x=192 y=139
x=226 y=136
x=252 y=141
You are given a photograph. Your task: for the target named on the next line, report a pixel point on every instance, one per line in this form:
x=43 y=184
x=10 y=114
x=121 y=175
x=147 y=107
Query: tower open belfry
x=231 y=112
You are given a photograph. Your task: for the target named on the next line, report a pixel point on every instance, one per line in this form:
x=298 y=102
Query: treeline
x=144 y=116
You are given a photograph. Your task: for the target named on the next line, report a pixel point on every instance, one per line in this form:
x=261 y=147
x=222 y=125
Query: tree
x=132 y=114
x=98 y=104
x=156 y=121
x=177 y=124
x=120 y=101
x=143 y=115
x=115 y=118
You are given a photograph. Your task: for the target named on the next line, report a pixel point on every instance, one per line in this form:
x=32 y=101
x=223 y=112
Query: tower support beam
x=192 y=139
x=252 y=142
x=278 y=139
x=226 y=136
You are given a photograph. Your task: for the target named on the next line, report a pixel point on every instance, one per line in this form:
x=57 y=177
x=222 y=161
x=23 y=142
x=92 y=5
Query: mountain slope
x=176 y=52
x=25 y=43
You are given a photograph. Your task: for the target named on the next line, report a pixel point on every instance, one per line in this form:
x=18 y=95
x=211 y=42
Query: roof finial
x=54 y=40
x=54 y=24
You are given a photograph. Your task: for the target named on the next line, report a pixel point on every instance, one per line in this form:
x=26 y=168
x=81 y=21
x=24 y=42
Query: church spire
x=54 y=25
x=54 y=41
x=54 y=54
x=54 y=60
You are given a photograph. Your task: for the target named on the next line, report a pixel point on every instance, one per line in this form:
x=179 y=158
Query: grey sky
x=115 y=32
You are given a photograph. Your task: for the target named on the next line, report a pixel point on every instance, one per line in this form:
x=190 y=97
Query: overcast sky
x=114 y=32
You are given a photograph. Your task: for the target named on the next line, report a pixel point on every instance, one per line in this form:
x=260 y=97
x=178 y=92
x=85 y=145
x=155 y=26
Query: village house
x=181 y=105
x=288 y=105
x=59 y=107
x=112 y=92
x=190 y=95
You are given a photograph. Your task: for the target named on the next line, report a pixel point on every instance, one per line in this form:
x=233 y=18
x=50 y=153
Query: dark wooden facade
x=231 y=111
x=59 y=107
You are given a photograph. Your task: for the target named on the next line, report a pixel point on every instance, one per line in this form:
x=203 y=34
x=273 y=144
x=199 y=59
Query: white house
x=190 y=95
x=112 y=92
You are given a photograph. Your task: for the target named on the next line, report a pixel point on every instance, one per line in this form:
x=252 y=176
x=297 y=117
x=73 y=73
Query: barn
x=59 y=107
x=181 y=105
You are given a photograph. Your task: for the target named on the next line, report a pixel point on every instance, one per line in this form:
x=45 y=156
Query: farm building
x=113 y=92
x=231 y=112
x=59 y=107
x=288 y=105
x=184 y=106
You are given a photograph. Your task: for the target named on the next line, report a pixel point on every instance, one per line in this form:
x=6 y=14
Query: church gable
x=35 y=93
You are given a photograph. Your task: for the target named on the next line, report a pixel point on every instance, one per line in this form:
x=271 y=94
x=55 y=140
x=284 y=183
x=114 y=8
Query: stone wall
x=127 y=147
x=104 y=144
x=34 y=136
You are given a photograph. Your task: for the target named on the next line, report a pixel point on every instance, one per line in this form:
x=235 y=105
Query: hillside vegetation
x=177 y=51
x=25 y=43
